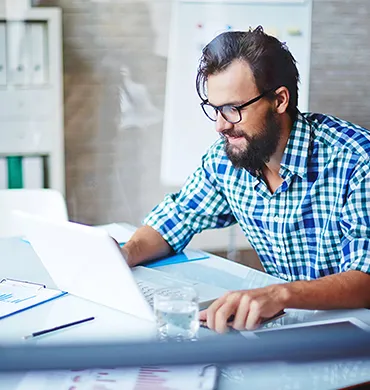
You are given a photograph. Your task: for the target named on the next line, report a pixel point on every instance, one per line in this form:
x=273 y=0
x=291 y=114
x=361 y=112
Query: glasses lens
x=210 y=111
x=231 y=114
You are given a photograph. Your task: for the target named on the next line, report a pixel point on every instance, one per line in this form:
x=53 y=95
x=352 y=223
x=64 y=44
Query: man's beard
x=260 y=147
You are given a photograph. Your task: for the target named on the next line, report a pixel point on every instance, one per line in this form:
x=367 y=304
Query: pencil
x=41 y=332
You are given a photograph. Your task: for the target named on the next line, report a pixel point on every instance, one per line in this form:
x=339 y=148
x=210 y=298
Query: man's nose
x=222 y=124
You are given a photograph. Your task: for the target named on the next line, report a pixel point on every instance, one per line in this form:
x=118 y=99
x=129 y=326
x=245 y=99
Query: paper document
x=120 y=233
x=16 y=296
x=171 y=378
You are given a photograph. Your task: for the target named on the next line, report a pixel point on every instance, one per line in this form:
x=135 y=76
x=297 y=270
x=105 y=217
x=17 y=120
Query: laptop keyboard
x=147 y=291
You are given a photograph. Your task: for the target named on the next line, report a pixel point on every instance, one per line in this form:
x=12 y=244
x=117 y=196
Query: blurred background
x=98 y=96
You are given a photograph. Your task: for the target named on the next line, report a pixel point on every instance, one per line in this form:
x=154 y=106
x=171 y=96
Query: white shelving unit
x=31 y=98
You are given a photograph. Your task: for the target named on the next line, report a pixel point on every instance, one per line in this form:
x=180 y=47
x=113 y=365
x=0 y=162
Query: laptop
x=86 y=262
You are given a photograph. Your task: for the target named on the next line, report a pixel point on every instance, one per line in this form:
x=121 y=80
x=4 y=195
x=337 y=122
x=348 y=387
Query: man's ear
x=281 y=100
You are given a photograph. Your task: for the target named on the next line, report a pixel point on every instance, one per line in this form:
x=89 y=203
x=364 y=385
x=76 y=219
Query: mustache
x=235 y=134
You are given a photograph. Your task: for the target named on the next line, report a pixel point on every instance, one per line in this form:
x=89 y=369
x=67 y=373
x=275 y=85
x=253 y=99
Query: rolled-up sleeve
x=199 y=205
x=355 y=223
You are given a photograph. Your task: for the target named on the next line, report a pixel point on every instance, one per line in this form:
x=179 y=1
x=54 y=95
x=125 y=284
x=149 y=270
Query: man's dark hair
x=271 y=62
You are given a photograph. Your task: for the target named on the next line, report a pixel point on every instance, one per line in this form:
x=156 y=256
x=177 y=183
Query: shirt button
x=276 y=218
x=277 y=249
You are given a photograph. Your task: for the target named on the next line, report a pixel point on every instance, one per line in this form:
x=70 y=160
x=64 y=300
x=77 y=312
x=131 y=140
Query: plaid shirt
x=317 y=222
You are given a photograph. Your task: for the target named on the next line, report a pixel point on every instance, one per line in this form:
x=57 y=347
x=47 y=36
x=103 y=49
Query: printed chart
x=144 y=378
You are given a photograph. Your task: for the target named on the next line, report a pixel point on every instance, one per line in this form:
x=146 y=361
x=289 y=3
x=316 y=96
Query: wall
x=113 y=159
x=340 y=72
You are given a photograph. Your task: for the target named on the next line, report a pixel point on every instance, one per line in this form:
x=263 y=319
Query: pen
x=39 y=333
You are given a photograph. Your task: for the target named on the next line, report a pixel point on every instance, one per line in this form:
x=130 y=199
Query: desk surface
x=18 y=260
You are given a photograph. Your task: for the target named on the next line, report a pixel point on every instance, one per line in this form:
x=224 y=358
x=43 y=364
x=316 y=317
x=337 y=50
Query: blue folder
x=182 y=257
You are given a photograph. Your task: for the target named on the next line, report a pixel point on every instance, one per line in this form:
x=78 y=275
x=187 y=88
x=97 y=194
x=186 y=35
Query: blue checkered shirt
x=317 y=222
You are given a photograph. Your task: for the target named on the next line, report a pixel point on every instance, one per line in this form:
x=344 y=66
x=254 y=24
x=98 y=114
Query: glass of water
x=177 y=313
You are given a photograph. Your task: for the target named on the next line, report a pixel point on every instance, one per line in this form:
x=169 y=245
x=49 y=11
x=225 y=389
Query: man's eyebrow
x=234 y=103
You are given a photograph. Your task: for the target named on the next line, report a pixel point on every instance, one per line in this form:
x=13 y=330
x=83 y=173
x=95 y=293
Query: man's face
x=250 y=143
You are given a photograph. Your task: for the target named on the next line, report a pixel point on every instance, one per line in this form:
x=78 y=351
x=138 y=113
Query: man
x=298 y=185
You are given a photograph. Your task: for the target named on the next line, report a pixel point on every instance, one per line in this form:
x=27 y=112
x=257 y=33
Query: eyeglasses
x=230 y=113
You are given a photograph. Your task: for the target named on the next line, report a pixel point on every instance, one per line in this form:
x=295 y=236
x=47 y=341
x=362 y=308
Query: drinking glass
x=177 y=313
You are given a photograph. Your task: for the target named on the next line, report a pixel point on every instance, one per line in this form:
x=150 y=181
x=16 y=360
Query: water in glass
x=177 y=313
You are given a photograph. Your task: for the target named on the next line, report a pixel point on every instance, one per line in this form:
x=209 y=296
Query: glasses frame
x=239 y=108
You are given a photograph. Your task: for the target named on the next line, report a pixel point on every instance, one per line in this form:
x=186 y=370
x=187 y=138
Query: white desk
x=18 y=261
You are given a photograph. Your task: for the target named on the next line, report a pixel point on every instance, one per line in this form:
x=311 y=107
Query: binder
x=15 y=172
x=18 y=60
x=37 y=34
x=3 y=173
x=33 y=172
x=17 y=296
x=3 y=77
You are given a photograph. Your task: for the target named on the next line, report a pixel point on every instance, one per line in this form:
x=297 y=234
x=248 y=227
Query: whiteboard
x=187 y=133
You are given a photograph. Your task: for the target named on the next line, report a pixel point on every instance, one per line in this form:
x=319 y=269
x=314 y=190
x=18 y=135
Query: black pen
x=39 y=333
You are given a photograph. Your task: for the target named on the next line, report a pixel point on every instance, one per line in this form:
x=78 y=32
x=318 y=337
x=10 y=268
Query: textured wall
x=113 y=158
x=340 y=71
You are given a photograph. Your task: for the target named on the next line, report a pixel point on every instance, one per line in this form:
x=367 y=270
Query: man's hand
x=248 y=308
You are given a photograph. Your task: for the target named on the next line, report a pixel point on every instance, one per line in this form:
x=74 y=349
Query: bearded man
x=297 y=184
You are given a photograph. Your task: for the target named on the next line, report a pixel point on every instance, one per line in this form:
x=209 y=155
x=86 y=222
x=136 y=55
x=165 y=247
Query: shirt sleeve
x=199 y=205
x=355 y=223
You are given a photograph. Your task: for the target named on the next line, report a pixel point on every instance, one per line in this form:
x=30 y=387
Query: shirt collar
x=296 y=153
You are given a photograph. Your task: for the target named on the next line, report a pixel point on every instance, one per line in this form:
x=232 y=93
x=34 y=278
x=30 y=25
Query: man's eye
x=230 y=109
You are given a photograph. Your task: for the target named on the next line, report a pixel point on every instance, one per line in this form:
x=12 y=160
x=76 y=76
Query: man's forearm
x=349 y=289
x=146 y=244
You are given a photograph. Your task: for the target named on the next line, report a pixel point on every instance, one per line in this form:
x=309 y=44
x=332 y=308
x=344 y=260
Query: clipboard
x=17 y=296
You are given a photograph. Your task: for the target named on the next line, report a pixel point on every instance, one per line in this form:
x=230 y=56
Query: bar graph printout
x=16 y=296
x=144 y=378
